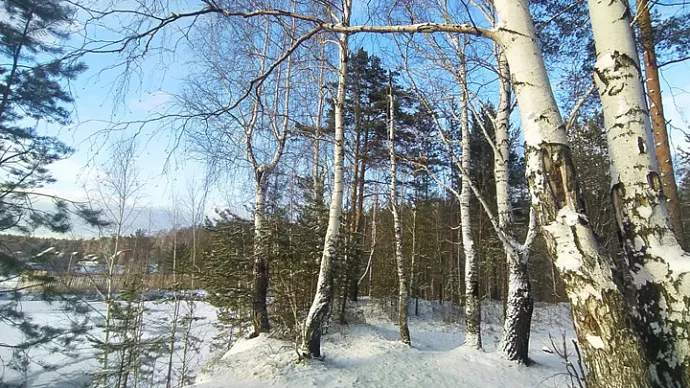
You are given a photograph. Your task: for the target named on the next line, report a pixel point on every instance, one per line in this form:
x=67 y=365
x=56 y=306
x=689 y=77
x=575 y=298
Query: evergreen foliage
x=32 y=78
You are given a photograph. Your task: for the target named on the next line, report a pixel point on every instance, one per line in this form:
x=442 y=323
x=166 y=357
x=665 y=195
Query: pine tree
x=31 y=90
x=227 y=275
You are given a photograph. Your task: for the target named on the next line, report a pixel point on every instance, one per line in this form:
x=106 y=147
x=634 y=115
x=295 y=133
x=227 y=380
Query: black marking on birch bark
x=614 y=91
x=602 y=78
x=660 y=345
x=512 y=32
x=655 y=183
x=552 y=167
x=640 y=144
x=562 y=178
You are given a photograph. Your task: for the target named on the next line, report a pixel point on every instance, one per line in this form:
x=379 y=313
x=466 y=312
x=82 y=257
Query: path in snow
x=366 y=353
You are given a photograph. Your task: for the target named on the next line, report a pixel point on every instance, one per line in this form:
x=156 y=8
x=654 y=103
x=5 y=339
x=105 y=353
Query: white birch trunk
x=260 y=321
x=519 y=304
x=609 y=342
x=311 y=333
x=472 y=301
x=397 y=223
x=659 y=265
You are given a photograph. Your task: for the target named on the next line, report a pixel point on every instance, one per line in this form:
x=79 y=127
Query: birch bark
x=262 y=172
x=610 y=344
x=659 y=265
x=472 y=302
x=397 y=222
x=311 y=331
x=519 y=304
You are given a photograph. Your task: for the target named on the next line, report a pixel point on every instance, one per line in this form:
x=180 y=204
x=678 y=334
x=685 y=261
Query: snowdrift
x=366 y=353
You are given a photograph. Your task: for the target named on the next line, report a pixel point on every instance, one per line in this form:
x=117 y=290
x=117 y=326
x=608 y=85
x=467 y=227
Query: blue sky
x=98 y=104
x=163 y=171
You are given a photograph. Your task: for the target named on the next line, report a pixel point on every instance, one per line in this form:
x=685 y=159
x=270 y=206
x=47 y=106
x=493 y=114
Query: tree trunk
x=656 y=111
x=472 y=300
x=659 y=265
x=372 y=247
x=519 y=302
x=260 y=289
x=316 y=168
x=610 y=345
x=397 y=223
x=358 y=235
x=311 y=332
x=348 y=262
x=413 y=264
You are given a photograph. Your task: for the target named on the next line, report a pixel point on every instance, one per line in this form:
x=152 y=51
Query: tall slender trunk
x=610 y=345
x=311 y=332
x=473 y=314
x=519 y=302
x=413 y=262
x=260 y=321
x=372 y=247
x=316 y=168
x=659 y=265
x=352 y=221
x=357 y=236
x=656 y=112
x=349 y=257
x=176 y=312
x=109 y=297
x=262 y=172
x=397 y=222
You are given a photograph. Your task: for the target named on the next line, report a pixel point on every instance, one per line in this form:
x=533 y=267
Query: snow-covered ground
x=366 y=353
x=65 y=370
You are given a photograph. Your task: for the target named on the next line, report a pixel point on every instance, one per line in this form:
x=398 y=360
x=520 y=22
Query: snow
x=569 y=216
x=46 y=251
x=595 y=341
x=645 y=211
x=533 y=137
x=367 y=353
x=74 y=371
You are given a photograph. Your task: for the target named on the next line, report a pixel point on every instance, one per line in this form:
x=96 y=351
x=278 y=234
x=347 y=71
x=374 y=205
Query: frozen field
x=65 y=370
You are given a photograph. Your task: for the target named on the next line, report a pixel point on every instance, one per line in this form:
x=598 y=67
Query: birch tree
x=262 y=121
x=397 y=221
x=472 y=301
x=312 y=329
x=261 y=175
x=604 y=320
x=519 y=304
x=596 y=300
x=118 y=192
x=659 y=265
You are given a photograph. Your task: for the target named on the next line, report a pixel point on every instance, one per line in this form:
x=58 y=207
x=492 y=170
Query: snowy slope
x=366 y=353
x=65 y=371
